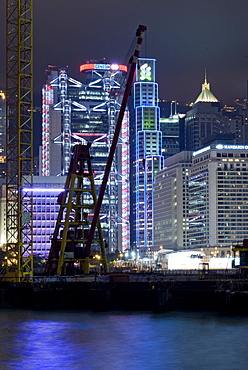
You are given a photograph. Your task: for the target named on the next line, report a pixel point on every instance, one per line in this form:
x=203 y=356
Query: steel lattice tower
x=19 y=150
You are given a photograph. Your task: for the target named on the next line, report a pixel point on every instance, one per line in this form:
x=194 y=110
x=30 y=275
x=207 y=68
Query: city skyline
x=184 y=38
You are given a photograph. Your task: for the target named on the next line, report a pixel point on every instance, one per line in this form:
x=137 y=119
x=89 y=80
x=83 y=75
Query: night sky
x=185 y=36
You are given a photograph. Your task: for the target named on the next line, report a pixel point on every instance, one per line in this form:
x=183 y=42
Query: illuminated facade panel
x=47 y=101
x=198 y=209
x=148 y=158
x=45 y=191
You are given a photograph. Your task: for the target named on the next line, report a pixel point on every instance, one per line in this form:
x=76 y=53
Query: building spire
x=205 y=85
x=206 y=95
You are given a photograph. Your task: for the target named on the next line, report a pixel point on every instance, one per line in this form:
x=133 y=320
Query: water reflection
x=84 y=340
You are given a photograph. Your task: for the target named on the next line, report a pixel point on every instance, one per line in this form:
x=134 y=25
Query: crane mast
x=19 y=134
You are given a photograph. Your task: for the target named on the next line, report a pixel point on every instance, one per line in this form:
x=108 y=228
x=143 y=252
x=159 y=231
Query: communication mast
x=19 y=149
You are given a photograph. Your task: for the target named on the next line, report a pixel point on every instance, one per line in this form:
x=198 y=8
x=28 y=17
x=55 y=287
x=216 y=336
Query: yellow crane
x=19 y=133
x=19 y=153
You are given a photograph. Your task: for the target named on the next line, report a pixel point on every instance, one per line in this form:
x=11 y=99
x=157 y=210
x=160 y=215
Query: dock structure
x=225 y=292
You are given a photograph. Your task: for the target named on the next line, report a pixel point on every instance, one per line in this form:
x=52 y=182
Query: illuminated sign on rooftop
x=146 y=70
x=230 y=146
x=103 y=66
x=201 y=151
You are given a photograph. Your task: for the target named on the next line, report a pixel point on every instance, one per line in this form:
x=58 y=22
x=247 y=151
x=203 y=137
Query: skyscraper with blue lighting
x=147 y=154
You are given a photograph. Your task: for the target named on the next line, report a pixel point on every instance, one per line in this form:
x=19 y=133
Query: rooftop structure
x=206 y=95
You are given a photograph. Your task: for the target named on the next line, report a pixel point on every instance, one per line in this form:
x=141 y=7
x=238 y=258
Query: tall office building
x=147 y=154
x=202 y=202
x=218 y=193
x=204 y=119
x=171 y=224
x=2 y=135
x=81 y=112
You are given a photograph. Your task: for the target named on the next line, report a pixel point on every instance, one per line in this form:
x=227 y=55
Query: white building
x=171 y=203
x=204 y=204
x=218 y=196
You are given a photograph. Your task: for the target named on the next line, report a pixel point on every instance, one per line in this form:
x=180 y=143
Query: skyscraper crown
x=206 y=95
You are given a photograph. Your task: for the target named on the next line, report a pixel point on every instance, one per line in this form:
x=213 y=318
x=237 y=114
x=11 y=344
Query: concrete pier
x=159 y=293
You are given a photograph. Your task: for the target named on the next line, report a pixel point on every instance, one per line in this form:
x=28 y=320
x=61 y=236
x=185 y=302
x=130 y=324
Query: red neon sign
x=89 y=66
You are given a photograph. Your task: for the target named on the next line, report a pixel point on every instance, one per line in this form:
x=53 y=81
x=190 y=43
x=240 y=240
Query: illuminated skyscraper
x=81 y=112
x=147 y=150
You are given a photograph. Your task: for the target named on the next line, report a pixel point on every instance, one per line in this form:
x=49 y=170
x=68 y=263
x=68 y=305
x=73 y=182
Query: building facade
x=235 y=121
x=147 y=154
x=202 y=202
x=173 y=136
x=218 y=190
x=77 y=112
x=45 y=191
x=171 y=212
x=203 y=120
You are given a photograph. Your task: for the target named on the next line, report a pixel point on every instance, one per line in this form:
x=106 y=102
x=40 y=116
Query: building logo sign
x=235 y=147
x=145 y=70
x=103 y=67
x=201 y=151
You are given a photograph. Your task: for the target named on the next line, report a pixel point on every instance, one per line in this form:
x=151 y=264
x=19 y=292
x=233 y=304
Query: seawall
x=120 y=292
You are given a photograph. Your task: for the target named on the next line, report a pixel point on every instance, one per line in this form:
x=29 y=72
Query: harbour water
x=73 y=340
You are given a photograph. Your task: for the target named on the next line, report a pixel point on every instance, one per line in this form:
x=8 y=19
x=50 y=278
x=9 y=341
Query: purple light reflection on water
x=119 y=341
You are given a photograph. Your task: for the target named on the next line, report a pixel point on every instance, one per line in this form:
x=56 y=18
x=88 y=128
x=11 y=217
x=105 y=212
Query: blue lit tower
x=147 y=153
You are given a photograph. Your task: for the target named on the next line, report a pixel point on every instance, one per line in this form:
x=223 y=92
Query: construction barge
x=225 y=292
